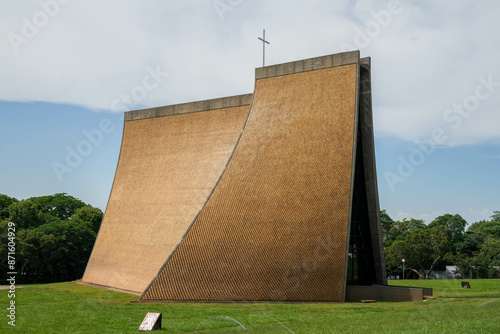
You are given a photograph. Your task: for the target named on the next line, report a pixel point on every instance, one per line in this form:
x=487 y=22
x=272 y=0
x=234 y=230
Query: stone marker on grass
x=151 y=322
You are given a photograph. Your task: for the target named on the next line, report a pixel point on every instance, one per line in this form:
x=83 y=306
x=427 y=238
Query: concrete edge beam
x=306 y=65
x=365 y=61
x=191 y=107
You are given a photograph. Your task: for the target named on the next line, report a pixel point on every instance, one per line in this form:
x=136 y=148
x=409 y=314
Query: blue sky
x=70 y=69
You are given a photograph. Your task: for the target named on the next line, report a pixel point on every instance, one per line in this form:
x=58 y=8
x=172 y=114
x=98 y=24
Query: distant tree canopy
x=455 y=223
x=89 y=214
x=496 y=216
x=479 y=250
x=444 y=241
x=5 y=202
x=54 y=236
x=24 y=214
x=422 y=248
x=62 y=206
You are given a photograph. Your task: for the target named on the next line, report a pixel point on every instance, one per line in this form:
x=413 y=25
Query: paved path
x=7 y=287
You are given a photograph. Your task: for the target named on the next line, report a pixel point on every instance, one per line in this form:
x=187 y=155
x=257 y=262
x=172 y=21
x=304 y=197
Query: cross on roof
x=263 y=39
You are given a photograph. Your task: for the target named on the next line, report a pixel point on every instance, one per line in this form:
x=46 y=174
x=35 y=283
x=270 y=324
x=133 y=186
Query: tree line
x=54 y=236
x=447 y=240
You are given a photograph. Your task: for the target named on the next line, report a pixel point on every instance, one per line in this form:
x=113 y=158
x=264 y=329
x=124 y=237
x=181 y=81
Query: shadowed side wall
x=276 y=226
x=367 y=134
x=167 y=169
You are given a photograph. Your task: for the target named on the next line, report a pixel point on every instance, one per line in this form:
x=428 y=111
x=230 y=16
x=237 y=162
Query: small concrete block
x=318 y=63
x=281 y=70
x=327 y=61
x=349 y=57
x=290 y=68
x=365 y=61
x=225 y=103
x=159 y=112
x=151 y=322
x=308 y=65
x=175 y=109
x=205 y=105
x=337 y=60
x=193 y=107
x=260 y=73
x=367 y=301
x=270 y=71
x=299 y=67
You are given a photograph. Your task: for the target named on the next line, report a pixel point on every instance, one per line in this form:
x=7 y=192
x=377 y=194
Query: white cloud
x=426 y=59
x=483 y=213
x=426 y=217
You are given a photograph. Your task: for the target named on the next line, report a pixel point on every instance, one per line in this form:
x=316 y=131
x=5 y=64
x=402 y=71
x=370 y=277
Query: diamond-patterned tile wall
x=276 y=225
x=168 y=167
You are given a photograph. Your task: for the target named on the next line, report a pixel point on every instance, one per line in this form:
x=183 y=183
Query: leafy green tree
x=454 y=222
x=392 y=230
x=476 y=236
x=24 y=214
x=89 y=214
x=386 y=222
x=479 y=252
x=400 y=229
x=75 y=241
x=5 y=202
x=477 y=267
x=396 y=230
x=3 y=246
x=62 y=205
x=37 y=251
x=55 y=236
x=422 y=249
x=496 y=216
x=490 y=250
x=484 y=229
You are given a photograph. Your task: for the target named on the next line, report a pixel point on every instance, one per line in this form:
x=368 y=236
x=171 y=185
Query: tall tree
x=454 y=222
x=37 y=254
x=89 y=214
x=386 y=222
x=396 y=230
x=496 y=216
x=485 y=228
x=5 y=202
x=75 y=241
x=479 y=252
x=400 y=229
x=422 y=249
x=55 y=235
x=61 y=205
x=24 y=214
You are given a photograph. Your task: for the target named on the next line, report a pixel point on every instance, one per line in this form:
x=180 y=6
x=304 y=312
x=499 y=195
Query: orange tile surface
x=167 y=169
x=276 y=226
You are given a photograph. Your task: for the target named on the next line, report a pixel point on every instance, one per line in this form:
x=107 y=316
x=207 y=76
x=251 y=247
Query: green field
x=72 y=308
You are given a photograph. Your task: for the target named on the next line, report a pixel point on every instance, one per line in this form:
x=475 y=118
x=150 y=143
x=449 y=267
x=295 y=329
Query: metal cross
x=263 y=39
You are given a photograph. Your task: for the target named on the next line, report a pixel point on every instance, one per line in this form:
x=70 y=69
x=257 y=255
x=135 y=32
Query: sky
x=70 y=68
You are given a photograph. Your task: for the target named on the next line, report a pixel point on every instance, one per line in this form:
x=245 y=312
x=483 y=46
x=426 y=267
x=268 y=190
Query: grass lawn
x=72 y=308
